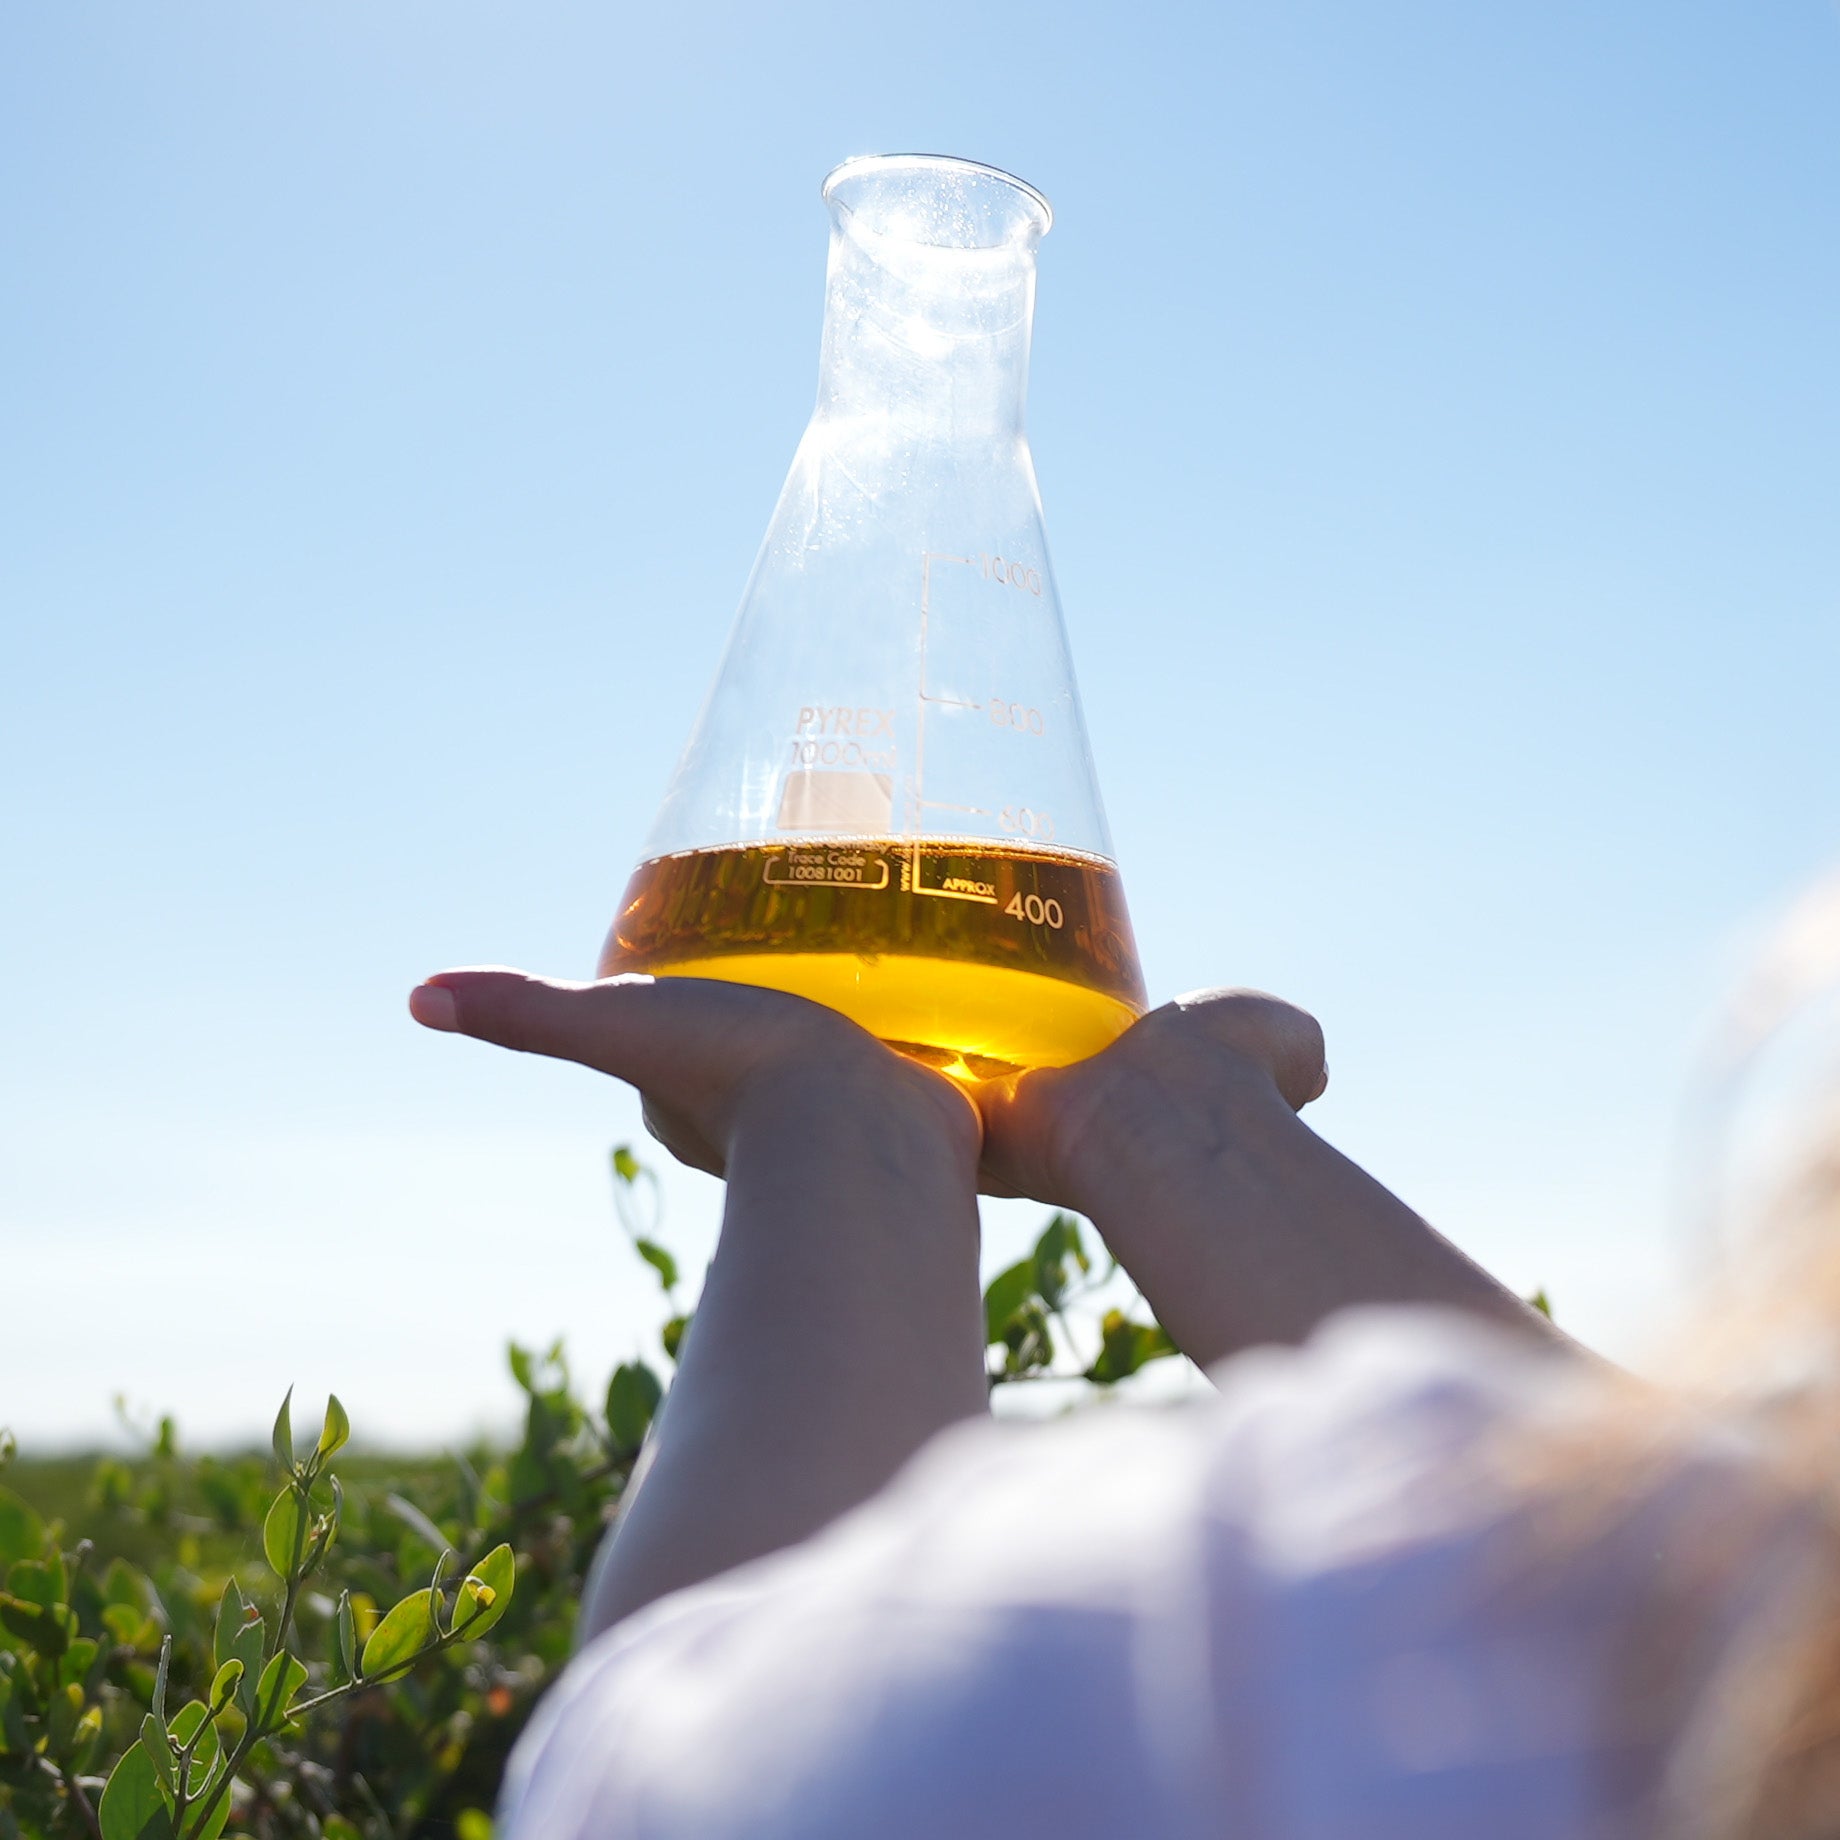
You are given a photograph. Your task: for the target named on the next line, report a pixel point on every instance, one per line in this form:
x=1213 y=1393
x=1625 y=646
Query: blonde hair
x=1754 y=1754
x=1766 y=1347
x=1772 y=1769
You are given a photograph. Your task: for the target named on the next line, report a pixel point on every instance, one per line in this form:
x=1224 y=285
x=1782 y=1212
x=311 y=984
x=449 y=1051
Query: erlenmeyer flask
x=887 y=803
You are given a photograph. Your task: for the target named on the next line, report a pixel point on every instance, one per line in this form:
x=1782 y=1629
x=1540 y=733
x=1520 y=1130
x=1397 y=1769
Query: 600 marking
x=1020 y=821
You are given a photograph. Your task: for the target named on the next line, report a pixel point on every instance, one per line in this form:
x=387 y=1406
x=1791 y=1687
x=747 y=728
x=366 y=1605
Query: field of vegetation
x=317 y=1643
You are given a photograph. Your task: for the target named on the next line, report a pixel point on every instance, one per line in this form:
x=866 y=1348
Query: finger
x=1018 y=1117
x=607 y=1025
x=1287 y=1039
x=681 y=1034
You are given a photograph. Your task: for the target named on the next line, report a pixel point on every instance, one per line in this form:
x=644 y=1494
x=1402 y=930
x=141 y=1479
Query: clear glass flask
x=888 y=803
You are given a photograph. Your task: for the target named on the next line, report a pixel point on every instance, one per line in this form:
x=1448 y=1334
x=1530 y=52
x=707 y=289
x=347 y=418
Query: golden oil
x=978 y=959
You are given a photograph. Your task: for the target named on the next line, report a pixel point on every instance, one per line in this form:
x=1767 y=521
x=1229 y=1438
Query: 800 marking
x=1018 y=716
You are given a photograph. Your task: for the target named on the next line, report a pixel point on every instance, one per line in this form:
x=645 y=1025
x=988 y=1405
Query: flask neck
x=927 y=312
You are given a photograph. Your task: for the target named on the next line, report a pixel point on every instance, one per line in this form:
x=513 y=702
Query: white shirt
x=1318 y=1607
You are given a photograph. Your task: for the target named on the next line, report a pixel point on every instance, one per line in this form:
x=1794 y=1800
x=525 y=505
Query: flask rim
x=868 y=165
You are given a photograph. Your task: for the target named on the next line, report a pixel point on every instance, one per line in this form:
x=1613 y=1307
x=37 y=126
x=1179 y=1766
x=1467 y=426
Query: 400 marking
x=1032 y=908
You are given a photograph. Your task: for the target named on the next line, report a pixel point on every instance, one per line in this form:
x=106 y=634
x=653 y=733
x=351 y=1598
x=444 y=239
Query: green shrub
x=187 y=1643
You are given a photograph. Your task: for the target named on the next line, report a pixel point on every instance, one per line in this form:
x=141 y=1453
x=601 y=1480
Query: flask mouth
x=938 y=201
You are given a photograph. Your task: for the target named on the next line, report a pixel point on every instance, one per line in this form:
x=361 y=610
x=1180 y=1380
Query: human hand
x=704 y=1054
x=1181 y=1143
x=839 y=1326
x=1177 y=1081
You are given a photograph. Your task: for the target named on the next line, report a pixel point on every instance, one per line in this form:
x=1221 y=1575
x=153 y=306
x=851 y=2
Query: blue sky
x=1438 y=416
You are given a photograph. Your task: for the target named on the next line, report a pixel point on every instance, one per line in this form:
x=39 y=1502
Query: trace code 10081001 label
x=826 y=869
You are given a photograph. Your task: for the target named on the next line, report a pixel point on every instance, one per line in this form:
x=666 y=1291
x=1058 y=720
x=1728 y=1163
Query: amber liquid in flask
x=978 y=960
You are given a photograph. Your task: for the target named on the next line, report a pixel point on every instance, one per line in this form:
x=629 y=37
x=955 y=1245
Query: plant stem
x=78 y=1800
x=296 y=1575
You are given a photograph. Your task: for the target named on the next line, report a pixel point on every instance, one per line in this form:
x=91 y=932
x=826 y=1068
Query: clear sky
x=1437 y=408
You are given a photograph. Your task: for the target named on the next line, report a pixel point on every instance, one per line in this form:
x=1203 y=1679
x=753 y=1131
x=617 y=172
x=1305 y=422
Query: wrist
x=1152 y=1135
x=856 y=1094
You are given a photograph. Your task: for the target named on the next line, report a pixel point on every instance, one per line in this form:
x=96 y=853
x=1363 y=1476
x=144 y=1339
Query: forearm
x=839 y=1329
x=1249 y=1228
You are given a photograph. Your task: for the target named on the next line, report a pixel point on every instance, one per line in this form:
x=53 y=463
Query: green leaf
x=284 y=1435
x=485 y=1593
x=220 y=1812
x=472 y=1824
x=1007 y=1293
x=521 y=1367
x=632 y=1401
x=22 y=1533
x=336 y=1827
x=660 y=1261
x=224 y=1684
x=1058 y=1246
x=122 y=1584
x=39 y=1581
x=111 y=1485
x=187 y=1723
x=191 y=1726
x=160 y=1751
x=336 y=1431
x=132 y=1806
x=281 y=1681
x=47 y=1628
x=1125 y=1346
x=348 y=1637
x=673 y=1333
x=63 y=1709
x=79 y=1658
x=1028 y=1342
x=284 y=1533
x=437 y=1595
x=631 y=1180
x=160 y=1676
x=86 y=1740
x=1541 y=1302
x=240 y=1636
x=15 y=1737
x=404 y=1633
x=232 y=1613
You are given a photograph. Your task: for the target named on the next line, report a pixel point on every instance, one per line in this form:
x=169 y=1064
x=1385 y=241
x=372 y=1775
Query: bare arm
x=841 y=1325
x=1238 y=1223
x=839 y=1329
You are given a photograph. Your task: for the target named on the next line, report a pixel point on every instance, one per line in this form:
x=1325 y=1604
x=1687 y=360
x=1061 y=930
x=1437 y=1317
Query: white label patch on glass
x=813 y=800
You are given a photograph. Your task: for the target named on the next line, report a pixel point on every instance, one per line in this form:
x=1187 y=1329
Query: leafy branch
x=174 y=1782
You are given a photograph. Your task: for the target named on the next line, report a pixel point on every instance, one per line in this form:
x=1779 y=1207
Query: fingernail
x=433 y=1007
